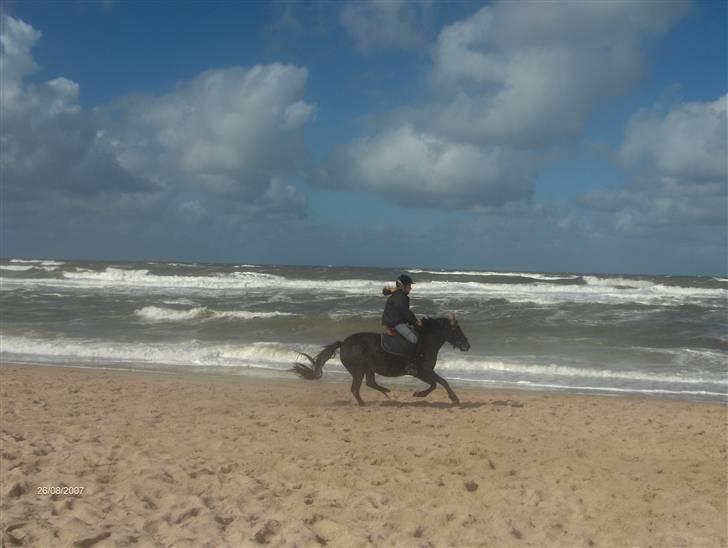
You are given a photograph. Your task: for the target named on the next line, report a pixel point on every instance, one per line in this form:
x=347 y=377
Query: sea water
x=598 y=333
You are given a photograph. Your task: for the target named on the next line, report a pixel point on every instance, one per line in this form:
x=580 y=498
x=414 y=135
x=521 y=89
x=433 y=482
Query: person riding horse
x=398 y=317
x=364 y=356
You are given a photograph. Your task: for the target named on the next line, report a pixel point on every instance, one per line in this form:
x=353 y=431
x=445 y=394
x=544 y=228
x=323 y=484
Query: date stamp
x=66 y=490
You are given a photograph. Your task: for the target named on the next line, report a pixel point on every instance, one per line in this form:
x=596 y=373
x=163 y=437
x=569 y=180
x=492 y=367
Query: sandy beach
x=153 y=459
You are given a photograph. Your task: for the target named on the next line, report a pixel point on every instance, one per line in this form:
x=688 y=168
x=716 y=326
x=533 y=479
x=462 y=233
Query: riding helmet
x=404 y=280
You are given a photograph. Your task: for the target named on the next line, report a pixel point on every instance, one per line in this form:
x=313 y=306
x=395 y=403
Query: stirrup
x=411 y=369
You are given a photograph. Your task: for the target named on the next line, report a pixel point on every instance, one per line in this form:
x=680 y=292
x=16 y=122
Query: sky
x=548 y=136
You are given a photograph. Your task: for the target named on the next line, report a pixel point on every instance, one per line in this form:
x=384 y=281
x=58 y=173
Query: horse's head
x=455 y=335
x=449 y=329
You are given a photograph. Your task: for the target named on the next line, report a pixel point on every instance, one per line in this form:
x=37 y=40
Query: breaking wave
x=561 y=371
x=193 y=352
x=541 y=290
x=184 y=353
x=200 y=313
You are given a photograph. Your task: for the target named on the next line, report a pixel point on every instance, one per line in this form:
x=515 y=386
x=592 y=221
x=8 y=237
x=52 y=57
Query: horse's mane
x=435 y=324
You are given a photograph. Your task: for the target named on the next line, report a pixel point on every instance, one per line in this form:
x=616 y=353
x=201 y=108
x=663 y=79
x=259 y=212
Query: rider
x=397 y=316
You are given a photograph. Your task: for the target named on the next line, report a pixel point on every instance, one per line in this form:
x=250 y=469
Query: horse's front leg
x=426 y=392
x=453 y=398
x=425 y=370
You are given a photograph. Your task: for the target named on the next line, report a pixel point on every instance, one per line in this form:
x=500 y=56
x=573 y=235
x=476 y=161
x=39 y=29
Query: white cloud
x=690 y=142
x=657 y=203
x=416 y=168
x=526 y=72
x=233 y=133
x=542 y=95
x=379 y=24
x=682 y=178
x=50 y=147
x=297 y=114
x=229 y=131
x=16 y=62
x=510 y=81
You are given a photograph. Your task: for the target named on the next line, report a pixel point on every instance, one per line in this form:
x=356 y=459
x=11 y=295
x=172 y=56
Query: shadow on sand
x=433 y=405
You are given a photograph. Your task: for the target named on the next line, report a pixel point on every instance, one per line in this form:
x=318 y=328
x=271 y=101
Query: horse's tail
x=314 y=373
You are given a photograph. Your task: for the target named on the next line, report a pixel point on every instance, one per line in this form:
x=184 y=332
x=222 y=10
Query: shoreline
x=343 y=377
x=197 y=459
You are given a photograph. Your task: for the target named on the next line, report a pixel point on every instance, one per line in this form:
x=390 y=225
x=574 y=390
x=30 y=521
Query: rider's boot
x=410 y=364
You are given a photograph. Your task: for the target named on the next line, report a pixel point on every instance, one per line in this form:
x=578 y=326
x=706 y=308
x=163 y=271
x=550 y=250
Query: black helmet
x=404 y=280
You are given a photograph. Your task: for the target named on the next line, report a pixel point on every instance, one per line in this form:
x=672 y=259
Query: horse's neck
x=434 y=340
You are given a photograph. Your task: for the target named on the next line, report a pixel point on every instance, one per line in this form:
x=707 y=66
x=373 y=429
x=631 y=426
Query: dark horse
x=362 y=355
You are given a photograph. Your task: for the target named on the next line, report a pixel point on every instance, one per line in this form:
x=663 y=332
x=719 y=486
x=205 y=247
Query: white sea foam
x=561 y=371
x=183 y=353
x=280 y=356
x=42 y=262
x=653 y=294
x=179 y=301
x=141 y=278
x=113 y=277
x=535 y=276
x=597 y=290
x=110 y=274
x=203 y=313
x=619 y=283
x=588 y=388
x=26 y=268
x=712 y=358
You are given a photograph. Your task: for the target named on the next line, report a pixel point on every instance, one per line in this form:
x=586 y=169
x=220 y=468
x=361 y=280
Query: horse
x=363 y=356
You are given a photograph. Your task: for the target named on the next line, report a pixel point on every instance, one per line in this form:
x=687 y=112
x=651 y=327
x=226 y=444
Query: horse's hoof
x=456 y=401
x=419 y=395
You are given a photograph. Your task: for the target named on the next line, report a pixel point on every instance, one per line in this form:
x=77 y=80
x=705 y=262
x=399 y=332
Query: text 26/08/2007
x=73 y=491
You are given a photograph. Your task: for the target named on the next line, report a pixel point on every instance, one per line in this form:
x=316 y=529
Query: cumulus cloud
x=690 y=142
x=529 y=71
x=51 y=150
x=657 y=203
x=380 y=24
x=424 y=170
x=231 y=133
x=16 y=62
x=681 y=168
x=510 y=81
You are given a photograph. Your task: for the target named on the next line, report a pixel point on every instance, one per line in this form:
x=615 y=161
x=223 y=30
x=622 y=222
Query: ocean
x=662 y=336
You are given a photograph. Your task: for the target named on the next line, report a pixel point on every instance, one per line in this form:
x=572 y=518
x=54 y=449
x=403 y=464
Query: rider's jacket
x=397 y=310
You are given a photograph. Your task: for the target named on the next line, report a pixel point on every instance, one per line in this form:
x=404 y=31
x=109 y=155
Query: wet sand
x=203 y=460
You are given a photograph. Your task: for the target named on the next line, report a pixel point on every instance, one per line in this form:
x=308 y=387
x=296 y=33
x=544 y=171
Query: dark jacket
x=397 y=310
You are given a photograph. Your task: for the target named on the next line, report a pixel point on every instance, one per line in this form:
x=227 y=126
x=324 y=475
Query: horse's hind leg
x=358 y=375
x=372 y=383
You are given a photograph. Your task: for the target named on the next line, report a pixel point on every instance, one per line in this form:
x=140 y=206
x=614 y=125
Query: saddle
x=394 y=343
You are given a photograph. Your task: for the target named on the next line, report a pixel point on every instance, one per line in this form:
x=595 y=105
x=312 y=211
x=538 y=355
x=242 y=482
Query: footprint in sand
x=88 y=542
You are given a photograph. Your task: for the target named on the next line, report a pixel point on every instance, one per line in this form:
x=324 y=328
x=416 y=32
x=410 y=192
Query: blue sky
x=540 y=136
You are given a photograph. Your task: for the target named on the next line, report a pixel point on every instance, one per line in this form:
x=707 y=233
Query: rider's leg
x=410 y=366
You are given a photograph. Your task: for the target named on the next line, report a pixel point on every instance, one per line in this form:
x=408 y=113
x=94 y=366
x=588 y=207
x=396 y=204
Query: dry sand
x=202 y=460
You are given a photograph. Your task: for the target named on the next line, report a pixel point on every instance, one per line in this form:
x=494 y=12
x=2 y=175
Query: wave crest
x=200 y=313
